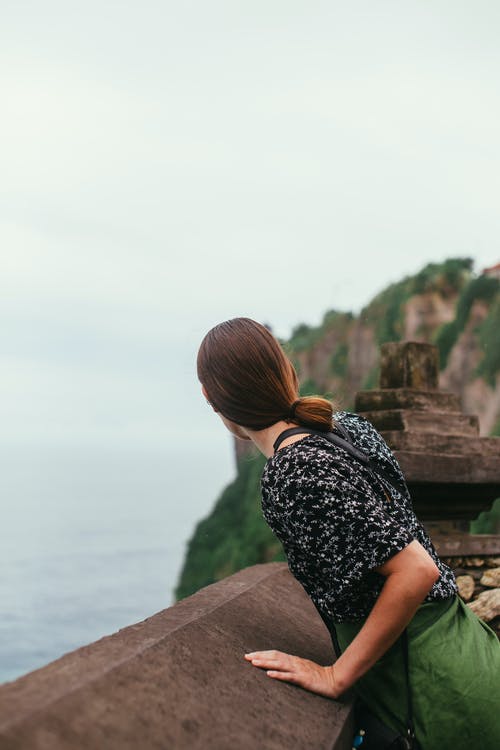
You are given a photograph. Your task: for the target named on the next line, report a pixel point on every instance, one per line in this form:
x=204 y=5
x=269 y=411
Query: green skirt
x=454 y=665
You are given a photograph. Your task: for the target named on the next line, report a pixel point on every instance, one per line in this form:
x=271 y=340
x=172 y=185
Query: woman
x=352 y=540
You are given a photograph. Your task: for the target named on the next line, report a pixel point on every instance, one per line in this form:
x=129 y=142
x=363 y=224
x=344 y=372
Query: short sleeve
x=342 y=526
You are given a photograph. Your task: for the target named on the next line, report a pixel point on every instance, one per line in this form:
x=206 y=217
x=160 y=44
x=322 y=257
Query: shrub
x=482 y=287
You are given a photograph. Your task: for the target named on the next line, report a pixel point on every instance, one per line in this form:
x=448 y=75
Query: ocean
x=93 y=539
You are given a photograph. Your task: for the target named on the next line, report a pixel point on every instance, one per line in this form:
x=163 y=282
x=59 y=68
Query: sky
x=165 y=166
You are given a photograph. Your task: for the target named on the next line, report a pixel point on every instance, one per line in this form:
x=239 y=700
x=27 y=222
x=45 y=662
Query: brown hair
x=250 y=380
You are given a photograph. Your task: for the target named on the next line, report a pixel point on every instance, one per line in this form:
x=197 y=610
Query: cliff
x=446 y=304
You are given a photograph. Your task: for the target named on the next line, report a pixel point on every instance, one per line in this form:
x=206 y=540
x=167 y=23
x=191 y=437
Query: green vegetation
x=304 y=337
x=386 y=311
x=481 y=288
x=446 y=277
x=338 y=361
x=309 y=388
x=372 y=379
x=489 y=338
x=233 y=536
x=487 y=522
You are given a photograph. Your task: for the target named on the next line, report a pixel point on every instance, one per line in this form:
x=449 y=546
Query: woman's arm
x=410 y=574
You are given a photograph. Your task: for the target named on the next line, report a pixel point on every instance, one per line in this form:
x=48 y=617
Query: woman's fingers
x=288 y=676
x=265 y=654
x=276 y=659
x=294 y=669
x=265 y=657
x=281 y=665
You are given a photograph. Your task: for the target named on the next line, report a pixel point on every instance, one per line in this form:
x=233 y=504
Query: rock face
x=179 y=679
x=465 y=587
x=424 y=313
x=487 y=605
x=459 y=375
x=491 y=578
x=478 y=580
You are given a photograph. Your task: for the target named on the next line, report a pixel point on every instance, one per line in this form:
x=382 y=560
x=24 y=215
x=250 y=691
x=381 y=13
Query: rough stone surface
x=450 y=469
x=179 y=680
x=406 y=398
x=452 y=473
x=441 y=443
x=491 y=578
x=449 y=423
x=469 y=550
x=473 y=562
x=466 y=586
x=409 y=365
x=487 y=605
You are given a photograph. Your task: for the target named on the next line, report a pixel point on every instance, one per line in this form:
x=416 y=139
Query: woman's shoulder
x=365 y=436
x=361 y=430
x=312 y=457
x=315 y=457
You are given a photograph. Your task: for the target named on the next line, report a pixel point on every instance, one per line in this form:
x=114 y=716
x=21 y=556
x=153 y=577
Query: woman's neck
x=264 y=439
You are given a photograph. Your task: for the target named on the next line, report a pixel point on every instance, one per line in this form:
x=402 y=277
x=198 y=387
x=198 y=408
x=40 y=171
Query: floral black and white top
x=336 y=524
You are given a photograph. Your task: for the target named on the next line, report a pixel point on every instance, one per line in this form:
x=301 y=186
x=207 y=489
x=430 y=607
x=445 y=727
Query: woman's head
x=249 y=379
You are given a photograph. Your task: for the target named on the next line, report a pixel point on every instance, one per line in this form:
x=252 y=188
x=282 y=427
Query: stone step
x=447 y=423
x=463 y=545
x=427 y=442
x=450 y=469
x=406 y=398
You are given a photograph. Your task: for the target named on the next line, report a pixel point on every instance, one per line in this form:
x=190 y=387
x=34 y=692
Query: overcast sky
x=169 y=165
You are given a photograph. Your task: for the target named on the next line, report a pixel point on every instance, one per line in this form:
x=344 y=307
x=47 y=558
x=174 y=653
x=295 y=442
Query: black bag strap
x=409 y=710
x=345 y=443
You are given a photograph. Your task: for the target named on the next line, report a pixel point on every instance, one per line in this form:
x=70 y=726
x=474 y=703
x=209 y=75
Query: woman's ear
x=205 y=394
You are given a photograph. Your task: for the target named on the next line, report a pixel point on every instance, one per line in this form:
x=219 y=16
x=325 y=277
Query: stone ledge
x=406 y=398
x=179 y=680
x=466 y=545
x=428 y=442
x=450 y=469
x=441 y=422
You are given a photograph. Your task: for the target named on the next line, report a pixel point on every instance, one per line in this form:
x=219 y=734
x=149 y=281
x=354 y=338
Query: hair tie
x=291 y=413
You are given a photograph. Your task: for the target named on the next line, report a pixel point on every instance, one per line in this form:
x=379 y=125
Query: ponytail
x=312 y=411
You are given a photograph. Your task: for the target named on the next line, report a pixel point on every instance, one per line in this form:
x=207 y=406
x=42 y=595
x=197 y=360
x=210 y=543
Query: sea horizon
x=93 y=539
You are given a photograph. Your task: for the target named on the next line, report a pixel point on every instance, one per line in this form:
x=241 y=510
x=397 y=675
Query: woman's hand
x=302 y=672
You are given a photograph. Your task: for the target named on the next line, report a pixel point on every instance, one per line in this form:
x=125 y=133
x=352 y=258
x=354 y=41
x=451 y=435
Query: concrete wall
x=179 y=680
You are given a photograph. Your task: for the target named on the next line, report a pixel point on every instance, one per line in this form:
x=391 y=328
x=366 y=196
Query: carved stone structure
x=452 y=473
